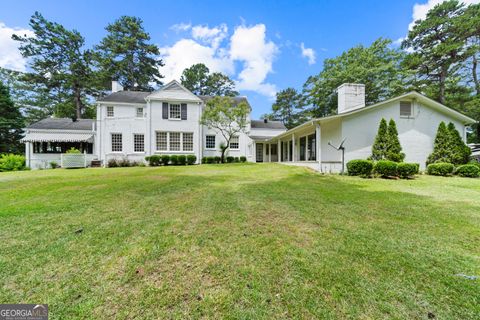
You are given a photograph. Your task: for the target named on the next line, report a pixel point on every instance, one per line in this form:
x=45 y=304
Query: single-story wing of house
x=137 y=124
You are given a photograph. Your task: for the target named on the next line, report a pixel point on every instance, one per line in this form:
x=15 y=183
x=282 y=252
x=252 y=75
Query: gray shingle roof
x=270 y=124
x=62 y=124
x=126 y=97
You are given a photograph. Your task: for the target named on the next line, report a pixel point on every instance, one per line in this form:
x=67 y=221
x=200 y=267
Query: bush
x=165 y=159
x=12 y=162
x=174 y=159
x=191 y=159
x=153 y=161
x=440 y=169
x=243 y=159
x=73 y=150
x=112 y=163
x=124 y=162
x=386 y=168
x=54 y=165
x=217 y=159
x=230 y=159
x=182 y=160
x=407 y=170
x=468 y=170
x=360 y=168
x=204 y=160
x=236 y=159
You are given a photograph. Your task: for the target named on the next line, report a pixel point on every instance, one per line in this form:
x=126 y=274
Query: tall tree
x=459 y=151
x=200 y=81
x=441 y=146
x=394 y=149
x=288 y=108
x=60 y=64
x=11 y=123
x=380 y=145
x=125 y=55
x=226 y=117
x=376 y=66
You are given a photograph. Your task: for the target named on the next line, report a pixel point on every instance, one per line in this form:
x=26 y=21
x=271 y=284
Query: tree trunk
x=474 y=74
x=78 y=103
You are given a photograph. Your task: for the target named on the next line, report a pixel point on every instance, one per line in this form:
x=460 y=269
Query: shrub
x=124 y=162
x=217 y=159
x=360 y=168
x=243 y=159
x=112 y=163
x=230 y=159
x=73 y=150
x=204 y=160
x=174 y=159
x=191 y=159
x=165 y=159
x=54 y=165
x=182 y=159
x=386 y=168
x=440 y=169
x=211 y=160
x=153 y=160
x=236 y=159
x=468 y=170
x=12 y=162
x=407 y=170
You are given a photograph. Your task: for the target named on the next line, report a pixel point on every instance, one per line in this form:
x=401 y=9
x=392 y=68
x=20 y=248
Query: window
x=210 y=142
x=139 y=112
x=162 y=141
x=273 y=149
x=116 y=142
x=110 y=111
x=405 y=109
x=187 y=141
x=138 y=143
x=174 y=111
x=174 y=141
x=234 y=143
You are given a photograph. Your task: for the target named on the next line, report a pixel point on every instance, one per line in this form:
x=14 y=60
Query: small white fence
x=73 y=160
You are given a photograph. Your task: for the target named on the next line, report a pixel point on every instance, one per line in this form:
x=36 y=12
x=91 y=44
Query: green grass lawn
x=239 y=241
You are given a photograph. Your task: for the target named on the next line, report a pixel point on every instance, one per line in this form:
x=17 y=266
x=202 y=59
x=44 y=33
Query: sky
x=264 y=46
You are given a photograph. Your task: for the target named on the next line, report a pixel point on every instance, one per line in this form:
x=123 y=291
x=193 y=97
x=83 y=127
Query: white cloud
x=308 y=53
x=180 y=27
x=10 y=57
x=247 y=45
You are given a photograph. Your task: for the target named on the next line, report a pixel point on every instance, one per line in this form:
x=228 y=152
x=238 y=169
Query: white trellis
x=73 y=160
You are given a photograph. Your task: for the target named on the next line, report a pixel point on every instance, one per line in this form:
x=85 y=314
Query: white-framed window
x=406 y=110
x=174 y=141
x=162 y=144
x=116 y=142
x=234 y=142
x=138 y=142
x=110 y=111
x=174 y=111
x=210 y=141
x=139 y=112
x=187 y=138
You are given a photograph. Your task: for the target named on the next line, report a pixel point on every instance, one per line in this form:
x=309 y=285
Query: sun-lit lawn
x=239 y=241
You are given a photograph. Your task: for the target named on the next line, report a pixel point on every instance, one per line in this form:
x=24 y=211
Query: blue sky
x=265 y=46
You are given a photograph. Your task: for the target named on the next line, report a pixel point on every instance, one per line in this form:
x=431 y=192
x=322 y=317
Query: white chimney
x=116 y=86
x=351 y=96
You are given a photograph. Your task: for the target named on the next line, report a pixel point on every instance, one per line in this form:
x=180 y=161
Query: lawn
x=239 y=241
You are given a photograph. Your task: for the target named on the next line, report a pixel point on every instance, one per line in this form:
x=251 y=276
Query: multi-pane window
x=139 y=112
x=162 y=141
x=110 y=111
x=175 y=111
x=116 y=142
x=187 y=141
x=138 y=143
x=210 y=142
x=234 y=143
x=405 y=108
x=174 y=138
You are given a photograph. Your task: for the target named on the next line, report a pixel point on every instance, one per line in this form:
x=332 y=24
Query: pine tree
x=379 y=148
x=441 y=146
x=11 y=123
x=460 y=152
x=394 y=149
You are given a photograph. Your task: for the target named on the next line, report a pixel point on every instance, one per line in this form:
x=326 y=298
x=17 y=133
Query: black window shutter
x=165 y=110
x=184 y=111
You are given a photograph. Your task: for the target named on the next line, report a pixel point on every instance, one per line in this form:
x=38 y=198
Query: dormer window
x=406 y=109
x=174 y=111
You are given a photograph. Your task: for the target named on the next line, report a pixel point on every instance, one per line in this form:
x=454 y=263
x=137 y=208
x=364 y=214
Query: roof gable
x=173 y=91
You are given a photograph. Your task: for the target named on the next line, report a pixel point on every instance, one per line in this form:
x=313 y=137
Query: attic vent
x=265 y=120
x=405 y=109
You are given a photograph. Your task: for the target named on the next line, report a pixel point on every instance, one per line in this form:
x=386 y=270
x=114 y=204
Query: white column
x=293 y=148
x=288 y=151
x=254 y=156
x=318 y=138
x=279 y=147
x=306 y=148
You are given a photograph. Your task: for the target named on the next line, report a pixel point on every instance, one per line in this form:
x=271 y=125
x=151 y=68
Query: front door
x=259 y=152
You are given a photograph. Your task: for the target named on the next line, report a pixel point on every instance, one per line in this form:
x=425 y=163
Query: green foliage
x=468 y=170
x=394 y=149
x=126 y=55
x=288 y=108
x=12 y=162
x=191 y=159
x=217 y=159
x=243 y=159
x=153 y=160
x=386 y=168
x=230 y=159
x=360 y=168
x=112 y=163
x=380 y=145
x=200 y=81
x=174 y=159
x=209 y=160
x=440 y=169
x=460 y=152
x=73 y=150
x=441 y=146
x=11 y=123
x=236 y=160
x=182 y=159
x=54 y=165
x=407 y=170
x=165 y=159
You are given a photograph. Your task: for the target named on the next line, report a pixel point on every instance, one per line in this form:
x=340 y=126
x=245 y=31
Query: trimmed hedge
x=217 y=159
x=468 y=171
x=182 y=159
x=230 y=159
x=243 y=159
x=191 y=159
x=407 y=170
x=174 y=159
x=440 y=169
x=153 y=161
x=165 y=159
x=386 y=168
x=360 y=168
